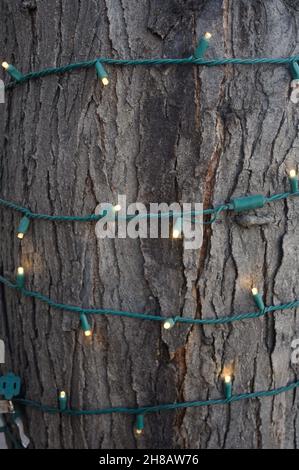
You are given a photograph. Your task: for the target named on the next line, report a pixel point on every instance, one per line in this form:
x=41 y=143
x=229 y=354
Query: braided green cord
x=151 y=62
x=143 y=316
x=95 y=217
x=157 y=408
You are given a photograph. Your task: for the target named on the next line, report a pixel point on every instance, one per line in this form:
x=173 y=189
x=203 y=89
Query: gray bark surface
x=161 y=134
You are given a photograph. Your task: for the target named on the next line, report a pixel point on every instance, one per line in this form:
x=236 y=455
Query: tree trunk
x=159 y=134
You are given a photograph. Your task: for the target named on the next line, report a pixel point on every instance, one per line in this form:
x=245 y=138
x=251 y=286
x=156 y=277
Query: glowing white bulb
x=176 y=233
x=208 y=35
x=227 y=379
x=62 y=394
x=117 y=208
x=177 y=228
x=254 y=291
x=168 y=324
x=5 y=65
x=139 y=426
x=138 y=432
x=293 y=174
x=87 y=333
x=105 y=81
x=20 y=271
x=20 y=235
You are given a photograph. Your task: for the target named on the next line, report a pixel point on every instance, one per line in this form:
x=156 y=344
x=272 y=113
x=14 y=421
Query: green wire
x=95 y=217
x=143 y=316
x=157 y=408
x=151 y=62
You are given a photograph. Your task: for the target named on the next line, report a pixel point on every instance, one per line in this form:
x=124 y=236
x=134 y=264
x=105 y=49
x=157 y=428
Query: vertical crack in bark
x=259 y=423
x=5 y=322
x=209 y=187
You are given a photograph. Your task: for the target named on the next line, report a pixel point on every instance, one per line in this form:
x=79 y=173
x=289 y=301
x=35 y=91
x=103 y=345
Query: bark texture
x=155 y=134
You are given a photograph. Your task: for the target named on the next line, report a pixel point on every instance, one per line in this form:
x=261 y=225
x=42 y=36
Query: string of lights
x=11 y=389
x=20 y=78
x=140 y=412
x=168 y=322
x=196 y=59
x=10 y=383
x=237 y=205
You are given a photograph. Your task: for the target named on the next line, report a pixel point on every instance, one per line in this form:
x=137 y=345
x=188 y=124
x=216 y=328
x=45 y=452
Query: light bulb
x=168 y=324
x=13 y=72
x=85 y=325
x=293 y=174
x=294 y=181
x=20 y=280
x=117 y=208
x=202 y=46
x=62 y=398
x=258 y=299
x=138 y=432
x=101 y=73
x=139 y=426
x=177 y=228
x=228 y=386
x=23 y=227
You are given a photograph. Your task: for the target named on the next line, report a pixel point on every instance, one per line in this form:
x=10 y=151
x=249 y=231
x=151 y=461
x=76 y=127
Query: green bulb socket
x=259 y=301
x=62 y=401
x=20 y=279
x=139 y=425
x=84 y=323
x=23 y=227
x=202 y=47
x=101 y=72
x=295 y=70
x=294 y=182
x=14 y=73
x=228 y=389
x=248 y=203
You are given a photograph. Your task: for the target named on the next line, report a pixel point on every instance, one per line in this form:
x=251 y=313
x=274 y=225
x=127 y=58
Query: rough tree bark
x=155 y=134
